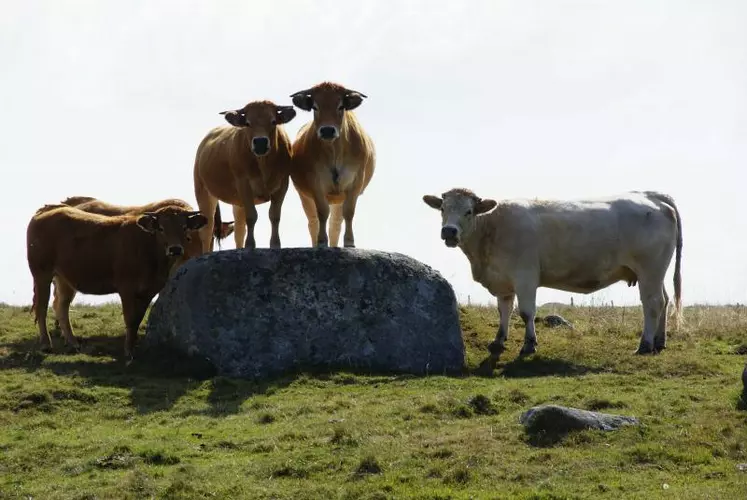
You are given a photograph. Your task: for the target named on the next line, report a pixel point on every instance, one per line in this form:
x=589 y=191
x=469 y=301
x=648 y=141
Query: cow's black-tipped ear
x=196 y=221
x=302 y=101
x=352 y=100
x=285 y=114
x=148 y=223
x=234 y=117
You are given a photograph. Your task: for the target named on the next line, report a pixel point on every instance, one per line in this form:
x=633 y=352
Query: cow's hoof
x=644 y=349
x=659 y=347
x=322 y=244
x=528 y=349
x=349 y=245
x=495 y=348
x=45 y=348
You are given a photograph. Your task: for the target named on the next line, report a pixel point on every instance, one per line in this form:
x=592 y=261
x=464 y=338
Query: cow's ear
x=196 y=221
x=148 y=223
x=433 y=201
x=234 y=117
x=352 y=100
x=483 y=206
x=303 y=101
x=285 y=114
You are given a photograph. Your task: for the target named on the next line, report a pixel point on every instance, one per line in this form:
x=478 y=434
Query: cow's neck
x=472 y=245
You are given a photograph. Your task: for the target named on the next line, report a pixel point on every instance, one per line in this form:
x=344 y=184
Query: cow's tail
x=678 y=320
x=677 y=271
x=218 y=234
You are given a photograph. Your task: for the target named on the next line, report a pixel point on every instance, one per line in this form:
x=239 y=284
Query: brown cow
x=222 y=230
x=333 y=161
x=95 y=206
x=246 y=164
x=132 y=255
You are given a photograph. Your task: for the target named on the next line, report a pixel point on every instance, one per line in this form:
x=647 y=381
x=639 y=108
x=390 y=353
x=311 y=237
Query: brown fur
x=98 y=255
x=330 y=175
x=228 y=169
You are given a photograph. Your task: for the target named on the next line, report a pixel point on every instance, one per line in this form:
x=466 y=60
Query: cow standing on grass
x=246 y=164
x=333 y=161
x=132 y=255
x=516 y=246
x=96 y=206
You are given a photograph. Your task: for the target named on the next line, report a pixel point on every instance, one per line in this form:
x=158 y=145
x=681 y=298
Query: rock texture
x=554 y=419
x=257 y=314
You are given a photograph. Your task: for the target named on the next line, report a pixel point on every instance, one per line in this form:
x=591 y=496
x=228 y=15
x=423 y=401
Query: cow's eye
x=160 y=229
x=468 y=212
x=274 y=122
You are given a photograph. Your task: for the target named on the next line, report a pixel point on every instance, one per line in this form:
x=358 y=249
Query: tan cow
x=95 y=206
x=246 y=164
x=132 y=255
x=333 y=161
x=516 y=246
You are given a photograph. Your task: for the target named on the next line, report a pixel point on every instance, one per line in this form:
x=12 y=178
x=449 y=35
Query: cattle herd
x=86 y=245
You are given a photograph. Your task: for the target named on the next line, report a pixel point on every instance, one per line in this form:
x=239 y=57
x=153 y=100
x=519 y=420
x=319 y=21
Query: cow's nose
x=174 y=251
x=327 y=133
x=448 y=233
x=260 y=145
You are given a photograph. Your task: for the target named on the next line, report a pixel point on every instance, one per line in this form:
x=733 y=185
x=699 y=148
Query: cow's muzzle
x=328 y=133
x=174 y=251
x=260 y=146
x=450 y=236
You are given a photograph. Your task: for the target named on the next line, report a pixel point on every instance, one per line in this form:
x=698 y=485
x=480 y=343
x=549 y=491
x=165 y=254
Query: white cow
x=582 y=246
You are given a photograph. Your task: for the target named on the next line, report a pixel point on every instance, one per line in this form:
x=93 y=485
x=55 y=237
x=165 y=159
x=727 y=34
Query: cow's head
x=329 y=101
x=260 y=119
x=458 y=207
x=173 y=227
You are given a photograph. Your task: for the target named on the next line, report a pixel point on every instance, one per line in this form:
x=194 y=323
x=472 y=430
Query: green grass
x=87 y=426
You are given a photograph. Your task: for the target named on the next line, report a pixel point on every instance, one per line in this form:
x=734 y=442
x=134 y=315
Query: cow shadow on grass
x=532 y=366
x=156 y=379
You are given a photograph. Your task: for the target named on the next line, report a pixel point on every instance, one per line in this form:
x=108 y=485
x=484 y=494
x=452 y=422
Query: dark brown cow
x=96 y=206
x=132 y=255
x=333 y=161
x=246 y=164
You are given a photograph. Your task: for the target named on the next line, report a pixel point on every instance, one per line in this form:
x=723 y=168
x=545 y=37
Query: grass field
x=86 y=426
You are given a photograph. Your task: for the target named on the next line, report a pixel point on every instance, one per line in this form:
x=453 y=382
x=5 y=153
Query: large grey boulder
x=257 y=314
x=555 y=419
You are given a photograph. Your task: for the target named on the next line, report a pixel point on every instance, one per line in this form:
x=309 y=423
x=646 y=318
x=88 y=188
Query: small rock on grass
x=554 y=419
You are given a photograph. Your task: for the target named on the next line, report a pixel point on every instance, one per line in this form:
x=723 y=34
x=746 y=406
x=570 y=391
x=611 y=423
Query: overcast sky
x=559 y=99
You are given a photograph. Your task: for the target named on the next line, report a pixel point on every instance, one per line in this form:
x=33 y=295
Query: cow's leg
x=348 y=212
x=527 y=296
x=335 y=224
x=505 y=304
x=652 y=298
x=133 y=310
x=239 y=226
x=309 y=208
x=42 y=283
x=276 y=205
x=660 y=338
x=250 y=211
x=64 y=297
x=322 y=213
x=206 y=204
